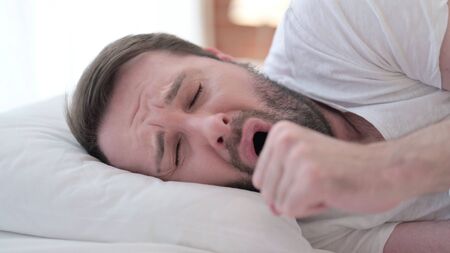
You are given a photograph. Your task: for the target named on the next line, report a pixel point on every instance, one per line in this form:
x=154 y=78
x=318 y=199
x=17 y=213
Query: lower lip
x=246 y=148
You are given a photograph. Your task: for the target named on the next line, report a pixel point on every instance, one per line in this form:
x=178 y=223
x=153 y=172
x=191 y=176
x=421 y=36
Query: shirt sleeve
x=276 y=63
x=413 y=31
x=382 y=40
x=346 y=240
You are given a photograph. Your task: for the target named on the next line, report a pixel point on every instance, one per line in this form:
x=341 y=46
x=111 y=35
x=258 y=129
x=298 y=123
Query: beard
x=282 y=104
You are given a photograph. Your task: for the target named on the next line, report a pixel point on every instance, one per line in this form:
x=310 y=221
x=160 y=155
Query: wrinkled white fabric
x=376 y=58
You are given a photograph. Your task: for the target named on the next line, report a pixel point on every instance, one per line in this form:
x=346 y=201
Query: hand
x=301 y=172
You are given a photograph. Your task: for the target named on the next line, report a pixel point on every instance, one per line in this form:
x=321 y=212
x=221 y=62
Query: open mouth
x=254 y=135
x=258 y=141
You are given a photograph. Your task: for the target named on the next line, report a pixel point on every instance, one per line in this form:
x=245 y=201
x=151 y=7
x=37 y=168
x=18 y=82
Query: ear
x=219 y=54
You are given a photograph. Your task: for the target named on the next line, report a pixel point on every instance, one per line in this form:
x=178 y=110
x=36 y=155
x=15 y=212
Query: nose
x=213 y=128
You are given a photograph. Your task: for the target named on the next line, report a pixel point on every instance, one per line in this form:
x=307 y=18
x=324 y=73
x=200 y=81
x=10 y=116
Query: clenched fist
x=301 y=172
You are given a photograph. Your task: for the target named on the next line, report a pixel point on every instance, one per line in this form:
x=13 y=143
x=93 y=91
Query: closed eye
x=197 y=94
x=177 y=153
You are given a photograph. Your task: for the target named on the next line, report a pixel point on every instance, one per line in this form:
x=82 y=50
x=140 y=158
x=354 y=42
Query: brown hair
x=94 y=89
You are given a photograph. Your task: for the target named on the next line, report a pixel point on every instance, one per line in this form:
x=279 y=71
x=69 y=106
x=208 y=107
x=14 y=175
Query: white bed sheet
x=19 y=243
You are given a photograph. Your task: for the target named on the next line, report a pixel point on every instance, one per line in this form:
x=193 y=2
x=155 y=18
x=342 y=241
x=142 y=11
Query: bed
x=56 y=198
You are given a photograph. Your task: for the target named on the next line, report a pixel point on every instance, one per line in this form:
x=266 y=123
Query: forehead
x=152 y=69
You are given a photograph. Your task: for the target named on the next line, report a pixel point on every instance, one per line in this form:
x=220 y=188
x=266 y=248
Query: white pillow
x=50 y=187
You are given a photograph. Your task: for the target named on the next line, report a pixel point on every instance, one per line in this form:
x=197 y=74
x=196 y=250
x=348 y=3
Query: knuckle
x=299 y=154
x=302 y=149
x=284 y=137
x=293 y=158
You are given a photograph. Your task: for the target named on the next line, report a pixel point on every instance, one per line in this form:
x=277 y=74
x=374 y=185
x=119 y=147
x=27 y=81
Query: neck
x=349 y=126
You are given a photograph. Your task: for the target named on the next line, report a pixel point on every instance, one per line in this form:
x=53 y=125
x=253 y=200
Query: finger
x=313 y=210
x=263 y=160
x=268 y=153
x=286 y=183
x=293 y=165
x=272 y=177
x=274 y=210
x=302 y=199
x=296 y=205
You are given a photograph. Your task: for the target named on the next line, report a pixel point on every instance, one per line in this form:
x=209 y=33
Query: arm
x=419 y=237
x=301 y=172
x=424 y=157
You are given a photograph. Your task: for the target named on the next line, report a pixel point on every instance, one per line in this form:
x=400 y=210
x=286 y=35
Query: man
x=160 y=106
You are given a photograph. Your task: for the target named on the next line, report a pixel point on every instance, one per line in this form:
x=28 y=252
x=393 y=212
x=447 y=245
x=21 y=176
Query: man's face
x=195 y=119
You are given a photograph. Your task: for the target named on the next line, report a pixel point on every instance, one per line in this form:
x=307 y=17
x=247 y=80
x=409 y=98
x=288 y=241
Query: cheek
x=231 y=101
x=233 y=92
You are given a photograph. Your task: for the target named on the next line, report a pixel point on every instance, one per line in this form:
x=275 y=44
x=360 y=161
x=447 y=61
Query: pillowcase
x=19 y=243
x=50 y=187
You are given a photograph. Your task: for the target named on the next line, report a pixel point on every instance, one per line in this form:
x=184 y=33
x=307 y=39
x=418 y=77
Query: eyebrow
x=159 y=150
x=173 y=91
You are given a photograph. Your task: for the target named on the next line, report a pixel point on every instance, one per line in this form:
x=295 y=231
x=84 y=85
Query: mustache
x=232 y=143
x=238 y=121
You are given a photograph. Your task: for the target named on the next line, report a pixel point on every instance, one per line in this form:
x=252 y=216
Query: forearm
x=301 y=172
x=419 y=237
x=420 y=161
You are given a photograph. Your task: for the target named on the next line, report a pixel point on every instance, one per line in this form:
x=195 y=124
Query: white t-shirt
x=378 y=59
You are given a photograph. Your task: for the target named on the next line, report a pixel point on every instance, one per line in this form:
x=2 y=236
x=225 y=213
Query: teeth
x=258 y=141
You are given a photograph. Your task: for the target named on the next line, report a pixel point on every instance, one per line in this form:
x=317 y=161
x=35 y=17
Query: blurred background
x=46 y=44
